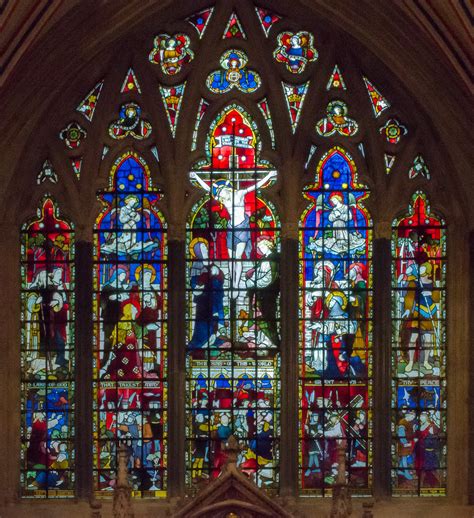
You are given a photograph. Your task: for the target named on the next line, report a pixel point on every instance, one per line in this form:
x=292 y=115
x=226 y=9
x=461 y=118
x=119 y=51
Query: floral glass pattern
x=234 y=28
x=200 y=20
x=267 y=19
x=393 y=131
x=47 y=173
x=336 y=81
x=88 y=105
x=419 y=168
x=172 y=98
x=72 y=135
x=294 y=97
x=130 y=83
x=377 y=100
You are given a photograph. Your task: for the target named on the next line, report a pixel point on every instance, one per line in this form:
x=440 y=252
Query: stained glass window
x=234 y=73
x=335 y=328
x=267 y=19
x=172 y=98
x=47 y=355
x=130 y=387
x=294 y=97
x=419 y=351
x=234 y=28
x=200 y=20
x=377 y=100
x=130 y=83
x=233 y=330
x=88 y=105
x=231 y=302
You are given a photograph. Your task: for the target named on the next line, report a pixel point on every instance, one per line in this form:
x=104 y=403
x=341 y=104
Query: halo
x=428 y=267
x=129 y=197
x=144 y=267
x=337 y=294
x=219 y=185
x=337 y=195
x=193 y=244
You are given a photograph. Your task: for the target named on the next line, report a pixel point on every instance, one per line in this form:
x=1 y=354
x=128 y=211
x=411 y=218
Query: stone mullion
x=176 y=367
x=289 y=368
x=382 y=374
x=10 y=373
x=471 y=375
x=83 y=368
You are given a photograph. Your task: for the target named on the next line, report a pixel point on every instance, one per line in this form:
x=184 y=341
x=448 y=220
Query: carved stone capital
x=289 y=230
x=84 y=233
x=176 y=231
x=383 y=229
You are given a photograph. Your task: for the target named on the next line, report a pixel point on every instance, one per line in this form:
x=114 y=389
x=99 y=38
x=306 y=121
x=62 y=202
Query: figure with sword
x=421 y=313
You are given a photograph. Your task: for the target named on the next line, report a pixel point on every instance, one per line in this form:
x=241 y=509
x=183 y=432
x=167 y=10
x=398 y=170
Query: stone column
x=459 y=352
x=83 y=355
x=381 y=348
x=176 y=361
x=289 y=362
x=10 y=364
x=471 y=373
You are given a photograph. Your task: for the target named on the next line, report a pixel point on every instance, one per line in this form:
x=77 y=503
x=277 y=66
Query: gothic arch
x=439 y=133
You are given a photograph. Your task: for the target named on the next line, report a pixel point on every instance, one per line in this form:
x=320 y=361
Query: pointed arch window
x=335 y=328
x=233 y=329
x=47 y=354
x=130 y=349
x=419 y=351
x=232 y=372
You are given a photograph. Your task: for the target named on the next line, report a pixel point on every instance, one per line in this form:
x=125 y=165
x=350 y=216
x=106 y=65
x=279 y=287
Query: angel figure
x=295 y=50
x=234 y=74
x=130 y=123
x=171 y=52
x=337 y=121
x=340 y=238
